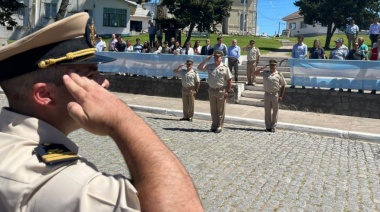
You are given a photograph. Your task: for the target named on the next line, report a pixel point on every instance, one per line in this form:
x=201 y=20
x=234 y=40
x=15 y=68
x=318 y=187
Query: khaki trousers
x=217 y=106
x=188 y=102
x=271 y=102
x=351 y=40
x=251 y=68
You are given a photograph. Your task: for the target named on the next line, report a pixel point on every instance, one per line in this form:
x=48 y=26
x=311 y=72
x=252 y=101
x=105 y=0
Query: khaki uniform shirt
x=189 y=78
x=273 y=82
x=218 y=75
x=252 y=53
x=30 y=185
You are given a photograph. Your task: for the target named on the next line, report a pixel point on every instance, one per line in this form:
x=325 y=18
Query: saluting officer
x=56 y=90
x=273 y=83
x=190 y=87
x=219 y=80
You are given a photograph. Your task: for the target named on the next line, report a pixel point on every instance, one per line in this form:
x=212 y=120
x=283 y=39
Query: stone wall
x=311 y=100
x=156 y=87
x=335 y=102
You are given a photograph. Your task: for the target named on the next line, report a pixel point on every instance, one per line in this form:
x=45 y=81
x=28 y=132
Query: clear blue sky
x=270 y=13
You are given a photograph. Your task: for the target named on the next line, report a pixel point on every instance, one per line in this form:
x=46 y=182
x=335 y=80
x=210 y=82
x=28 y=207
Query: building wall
x=235 y=20
x=304 y=29
x=34 y=17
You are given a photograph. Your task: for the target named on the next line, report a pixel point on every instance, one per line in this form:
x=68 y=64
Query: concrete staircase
x=254 y=95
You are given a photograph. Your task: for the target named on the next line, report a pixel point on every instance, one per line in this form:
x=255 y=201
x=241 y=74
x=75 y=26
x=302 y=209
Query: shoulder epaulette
x=54 y=153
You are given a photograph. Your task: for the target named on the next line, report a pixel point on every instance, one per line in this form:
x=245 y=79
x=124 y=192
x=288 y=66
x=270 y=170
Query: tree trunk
x=62 y=10
x=191 y=28
x=329 y=34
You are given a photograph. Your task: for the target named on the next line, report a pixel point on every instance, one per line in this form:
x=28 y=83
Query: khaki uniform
x=189 y=81
x=218 y=77
x=272 y=85
x=28 y=184
x=252 y=54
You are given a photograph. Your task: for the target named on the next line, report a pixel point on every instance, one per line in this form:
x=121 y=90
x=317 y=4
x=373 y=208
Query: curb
x=352 y=135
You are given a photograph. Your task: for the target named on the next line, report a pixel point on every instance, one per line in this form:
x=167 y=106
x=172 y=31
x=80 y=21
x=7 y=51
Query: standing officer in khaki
x=190 y=87
x=253 y=57
x=219 y=80
x=53 y=87
x=273 y=83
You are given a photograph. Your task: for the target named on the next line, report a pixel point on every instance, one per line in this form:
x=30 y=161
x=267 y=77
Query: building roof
x=292 y=16
x=140 y=12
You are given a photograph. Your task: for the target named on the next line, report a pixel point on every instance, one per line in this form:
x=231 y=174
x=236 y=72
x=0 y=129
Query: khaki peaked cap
x=68 y=41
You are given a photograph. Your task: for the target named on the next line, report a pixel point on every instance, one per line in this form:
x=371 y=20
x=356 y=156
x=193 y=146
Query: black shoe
x=183 y=119
x=273 y=130
x=190 y=119
x=268 y=130
x=349 y=90
x=211 y=130
x=303 y=87
x=373 y=92
x=332 y=89
x=218 y=130
x=340 y=90
x=292 y=86
x=360 y=91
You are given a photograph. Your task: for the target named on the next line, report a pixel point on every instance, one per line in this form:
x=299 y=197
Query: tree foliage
x=334 y=13
x=203 y=14
x=7 y=9
x=62 y=10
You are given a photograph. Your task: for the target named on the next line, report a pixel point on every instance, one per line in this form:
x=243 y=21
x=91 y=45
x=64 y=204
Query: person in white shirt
x=100 y=45
x=374 y=31
x=112 y=44
x=299 y=49
x=188 y=50
x=352 y=32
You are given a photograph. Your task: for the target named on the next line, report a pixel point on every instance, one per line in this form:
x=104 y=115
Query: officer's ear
x=42 y=94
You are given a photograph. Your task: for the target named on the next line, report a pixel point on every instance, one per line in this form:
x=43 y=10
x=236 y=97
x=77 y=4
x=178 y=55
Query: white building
x=111 y=16
x=295 y=25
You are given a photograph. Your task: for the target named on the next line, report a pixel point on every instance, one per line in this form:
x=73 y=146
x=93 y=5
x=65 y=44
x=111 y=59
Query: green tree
x=334 y=13
x=203 y=14
x=62 y=10
x=7 y=8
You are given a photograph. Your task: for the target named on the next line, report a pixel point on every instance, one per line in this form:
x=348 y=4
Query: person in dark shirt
x=146 y=48
x=120 y=45
x=355 y=53
x=317 y=52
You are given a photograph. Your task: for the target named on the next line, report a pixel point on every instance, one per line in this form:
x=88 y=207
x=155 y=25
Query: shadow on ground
x=275 y=50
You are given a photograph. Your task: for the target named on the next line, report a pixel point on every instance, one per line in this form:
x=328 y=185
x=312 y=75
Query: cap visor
x=93 y=59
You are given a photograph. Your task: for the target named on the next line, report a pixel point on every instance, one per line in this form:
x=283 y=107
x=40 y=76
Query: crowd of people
x=356 y=49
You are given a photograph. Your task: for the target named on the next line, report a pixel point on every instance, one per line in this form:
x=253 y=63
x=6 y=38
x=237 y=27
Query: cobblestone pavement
x=247 y=169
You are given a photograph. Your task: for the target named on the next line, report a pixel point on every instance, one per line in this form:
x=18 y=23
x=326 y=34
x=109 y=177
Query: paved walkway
x=282 y=52
x=325 y=124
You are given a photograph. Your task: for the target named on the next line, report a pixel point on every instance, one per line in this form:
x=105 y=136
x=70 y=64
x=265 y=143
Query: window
x=9 y=28
x=243 y=22
x=242 y=1
x=303 y=25
x=292 y=26
x=114 y=17
x=50 y=10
